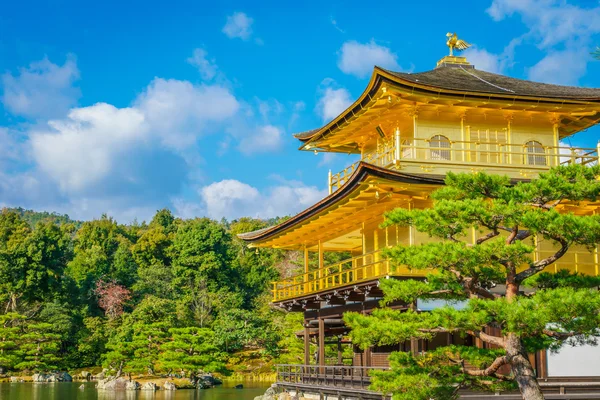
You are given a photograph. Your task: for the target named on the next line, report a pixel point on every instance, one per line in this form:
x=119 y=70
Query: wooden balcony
x=349 y=272
x=438 y=156
x=328 y=379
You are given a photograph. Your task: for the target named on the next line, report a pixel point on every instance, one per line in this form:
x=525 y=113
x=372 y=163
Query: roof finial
x=455 y=43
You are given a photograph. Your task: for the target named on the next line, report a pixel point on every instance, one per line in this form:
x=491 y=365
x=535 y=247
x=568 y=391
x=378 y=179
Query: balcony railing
x=351 y=271
x=372 y=266
x=439 y=152
x=326 y=376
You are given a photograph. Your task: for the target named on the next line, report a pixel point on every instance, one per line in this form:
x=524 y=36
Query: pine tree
x=486 y=228
x=191 y=350
x=145 y=346
x=10 y=354
x=40 y=346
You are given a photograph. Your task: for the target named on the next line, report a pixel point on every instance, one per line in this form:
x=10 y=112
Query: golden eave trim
x=362 y=173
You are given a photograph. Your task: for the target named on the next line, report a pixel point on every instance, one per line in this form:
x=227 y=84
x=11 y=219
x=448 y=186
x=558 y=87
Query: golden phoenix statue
x=455 y=43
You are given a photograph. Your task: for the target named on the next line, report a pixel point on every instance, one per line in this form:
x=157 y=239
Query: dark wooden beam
x=321 y=341
x=306 y=344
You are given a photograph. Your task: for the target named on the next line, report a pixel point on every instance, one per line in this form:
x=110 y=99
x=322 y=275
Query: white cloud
x=11 y=149
x=560 y=67
x=486 y=61
x=80 y=150
x=332 y=101
x=179 y=111
x=206 y=66
x=238 y=25
x=131 y=161
x=358 y=59
x=327 y=159
x=233 y=199
x=264 y=139
x=552 y=21
x=42 y=90
x=93 y=143
x=559 y=29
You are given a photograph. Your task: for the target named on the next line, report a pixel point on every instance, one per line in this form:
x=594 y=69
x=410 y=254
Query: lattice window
x=536 y=154
x=437 y=146
x=488 y=145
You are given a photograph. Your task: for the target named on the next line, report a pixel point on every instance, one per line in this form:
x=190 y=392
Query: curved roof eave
x=363 y=171
x=379 y=74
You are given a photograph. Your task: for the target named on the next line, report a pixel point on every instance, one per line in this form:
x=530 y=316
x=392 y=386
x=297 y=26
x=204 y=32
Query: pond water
x=71 y=391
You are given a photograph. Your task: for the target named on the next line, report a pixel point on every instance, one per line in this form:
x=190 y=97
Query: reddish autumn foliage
x=112 y=297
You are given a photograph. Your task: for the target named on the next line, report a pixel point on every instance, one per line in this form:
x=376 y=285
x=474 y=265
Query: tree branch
x=485 y=293
x=491 y=370
x=498 y=341
x=513 y=234
x=559 y=335
x=495 y=340
x=539 y=266
x=523 y=234
x=490 y=235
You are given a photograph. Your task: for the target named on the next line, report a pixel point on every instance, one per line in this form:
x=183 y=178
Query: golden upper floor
x=457 y=118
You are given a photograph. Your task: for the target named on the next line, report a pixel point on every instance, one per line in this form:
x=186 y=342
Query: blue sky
x=127 y=107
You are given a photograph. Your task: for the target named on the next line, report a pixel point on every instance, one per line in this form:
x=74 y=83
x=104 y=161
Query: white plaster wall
x=575 y=361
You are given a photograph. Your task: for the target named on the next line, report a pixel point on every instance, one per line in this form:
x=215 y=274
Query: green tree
x=191 y=350
x=31 y=261
x=256 y=267
x=40 y=346
x=92 y=339
x=10 y=354
x=135 y=343
x=145 y=346
x=203 y=264
x=153 y=254
x=101 y=251
x=489 y=272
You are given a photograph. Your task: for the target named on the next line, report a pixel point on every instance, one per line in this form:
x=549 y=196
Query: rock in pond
x=270 y=394
x=150 y=386
x=240 y=386
x=169 y=386
x=53 y=377
x=133 y=385
x=63 y=377
x=112 y=384
x=85 y=375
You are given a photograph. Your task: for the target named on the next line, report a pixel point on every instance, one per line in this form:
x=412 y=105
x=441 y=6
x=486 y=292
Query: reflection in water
x=71 y=391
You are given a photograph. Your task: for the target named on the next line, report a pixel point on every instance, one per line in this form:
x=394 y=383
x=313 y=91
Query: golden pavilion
x=409 y=130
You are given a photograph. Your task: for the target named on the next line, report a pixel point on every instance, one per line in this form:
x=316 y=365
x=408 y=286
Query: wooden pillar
x=541 y=364
x=306 y=284
x=321 y=342
x=463 y=138
x=321 y=266
x=368 y=357
x=306 y=343
x=339 y=349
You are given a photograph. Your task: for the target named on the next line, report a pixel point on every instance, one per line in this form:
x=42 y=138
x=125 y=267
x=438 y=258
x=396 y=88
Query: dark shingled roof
x=306 y=134
x=455 y=77
x=473 y=80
